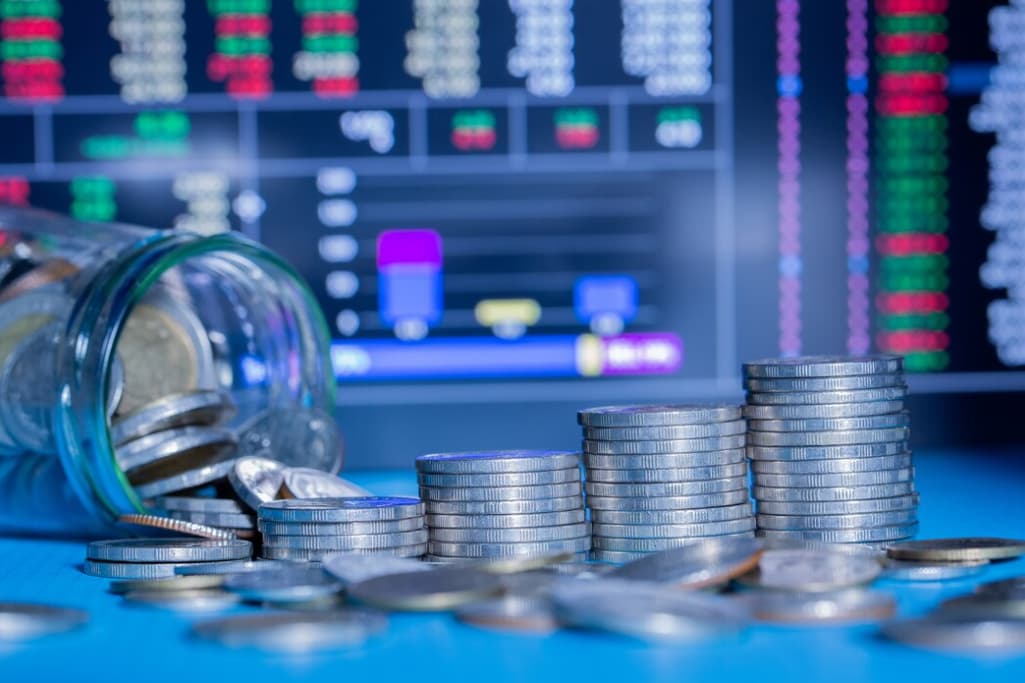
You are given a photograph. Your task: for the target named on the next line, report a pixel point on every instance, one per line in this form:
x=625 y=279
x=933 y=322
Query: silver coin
x=516 y=535
x=1013 y=587
x=195 y=504
x=26 y=621
x=823 y=366
x=686 y=516
x=224 y=520
x=130 y=570
x=170 y=451
x=256 y=480
x=645 y=611
x=870 y=450
x=497 y=550
x=367 y=509
x=827 y=438
x=294 y=632
x=657 y=446
x=620 y=557
x=904 y=570
x=494 y=462
x=701 y=532
x=852 y=383
x=340 y=528
x=544 y=477
x=318 y=555
x=838 y=493
x=173 y=584
x=186 y=480
x=442 y=589
x=189 y=409
x=890 y=421
x=666 y=433
x=838 y=479
x=231 y=567
x=540 y=519
x=504 y=507
x=511 y=613
x=839 y=607
x=668 y=475
x=513 y=493
x=898 y=393
x=674 y=531
x=870 y=535
x=963 y=635
x=672 y=488
x=699 y=564
x=168 y=550
x=810 y=570
x=350 y=542
x=658 y=415
x=306 y=483
x=28 y=390
x=822 y=411
x=187 y=602
x=840 y=507
x=295 y=436
x=350 y=567
x=842 y=521
x=982 y=606
x=831 y=466
x=668 y=502
x=283 y=585
x=955 y=549
x=664 y=461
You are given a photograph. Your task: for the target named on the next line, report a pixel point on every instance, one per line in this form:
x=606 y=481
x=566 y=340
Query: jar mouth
x=99 y=318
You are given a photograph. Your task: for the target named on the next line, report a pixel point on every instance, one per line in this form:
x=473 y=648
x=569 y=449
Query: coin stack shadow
x=828 y=441
x=309 y=530
x=503 y=504
x=662 y=476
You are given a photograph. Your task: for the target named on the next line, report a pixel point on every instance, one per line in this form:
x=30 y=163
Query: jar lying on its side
x=136 y=363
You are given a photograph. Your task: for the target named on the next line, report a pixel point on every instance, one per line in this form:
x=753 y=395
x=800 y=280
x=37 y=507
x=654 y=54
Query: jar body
x=97 y=321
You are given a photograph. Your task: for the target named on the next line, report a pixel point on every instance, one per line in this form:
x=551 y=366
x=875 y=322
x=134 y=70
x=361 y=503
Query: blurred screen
x=536 y=203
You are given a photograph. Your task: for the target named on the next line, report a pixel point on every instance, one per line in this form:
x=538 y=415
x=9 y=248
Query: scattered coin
x=842 y=607
x=906 y=570
x=955 y=549
x=173 y=584
x=808 y=570
x=176 y=525
x=701 y=564
x=194 y=408
x=439 y=590
x=26 y=621
x=190 y=601
x=294 y=632
x=511 y=613
x=956 y=634
x=285 y=585
x=1013 y=587
x=304 y=482
x=186 y=480
x=982 y=606
x=256 y=480
x=523 y=563
x=349 y=568
x=172 y=451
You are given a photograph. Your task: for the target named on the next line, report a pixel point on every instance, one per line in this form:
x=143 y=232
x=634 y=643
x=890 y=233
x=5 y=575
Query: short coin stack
x=308 y=530
x=503 y=504
x=828 y=439
x=660 y=476
x=156 y=558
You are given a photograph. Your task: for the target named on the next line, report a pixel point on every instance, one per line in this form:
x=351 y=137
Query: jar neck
x=87 y=354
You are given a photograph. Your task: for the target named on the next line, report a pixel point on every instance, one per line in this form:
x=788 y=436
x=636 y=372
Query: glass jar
x=99 y=320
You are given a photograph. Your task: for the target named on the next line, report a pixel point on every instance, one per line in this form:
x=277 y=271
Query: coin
x=186 y=480
x=295 y=436
x=667 y=433
x=439 y=590
x=1013 y=587
x=512 y=493
x=168 y=550
x=489 y=462
x=683 y=474
x=700 y=564
x=965 y=635
x=349 y=567
x=836 y=493
x=664 y=446
x=841 y=521
x=306 y=483
x=838 y=438
x=194 y=408
x=668 y=502
x=832 y=466
x=852 y=383
x=504 y=507
x=543 y=477
x=511 y=613
x=823 y=366
x=514 y=564
x=810 y=570
x=891 y=421
x=294 y=632
x=318 y=554
x=172 y=451
x=872 y=450
x=698 y=516
x=340 y=528
x=852 y=549
x=222 y=520
x=890 y=393
x=622 y=557
x=664 y=461
x=366 y=509
x=195 y=504
x=821 y=411
x=847 y=606
x=527 y=534
x=955 y=549
x=176 y=525
x=230 y=567
x=130 y=570
x=540 y=519
x=28 y=390
x=674 y=531
x=25 y=621
x=284 y=585
x=658 y=415
x=982 y=606
x=671 y=488
x=349 y=542
x=689 y=533
x=644 y=610
x=905 y=570
x=681 y=516
x=501 y=550
x=839 y=507
x=256 y=480
x=173 y=584
x=187 y=601
x=865 y=535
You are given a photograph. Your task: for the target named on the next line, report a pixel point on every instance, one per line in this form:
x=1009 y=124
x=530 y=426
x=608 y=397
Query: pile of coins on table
x=154 y=558
x=662 y=476
x=828 y=440
x=503 y=504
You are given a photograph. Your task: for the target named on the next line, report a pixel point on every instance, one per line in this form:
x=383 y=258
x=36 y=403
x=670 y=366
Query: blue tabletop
x=963 y=493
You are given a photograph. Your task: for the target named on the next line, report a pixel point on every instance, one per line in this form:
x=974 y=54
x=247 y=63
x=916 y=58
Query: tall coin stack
x=308 y=530
x=503 y=504
x=828 y=440
x=660 y=476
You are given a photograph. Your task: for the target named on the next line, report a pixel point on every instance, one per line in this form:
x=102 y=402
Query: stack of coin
x=660 y=476
x=157 y=558
x=309 y=530
x=503 y=504
x=828 y=440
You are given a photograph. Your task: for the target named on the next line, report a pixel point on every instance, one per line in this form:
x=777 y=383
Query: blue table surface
x=963 y=493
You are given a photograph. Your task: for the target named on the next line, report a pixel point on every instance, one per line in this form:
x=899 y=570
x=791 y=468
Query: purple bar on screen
x=419 y=246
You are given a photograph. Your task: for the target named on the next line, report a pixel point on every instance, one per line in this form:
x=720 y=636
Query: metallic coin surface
x=809 y=570
x=256 y=480
x=231 y=567
x=488 y=462
x=891 y=421
x=855 y=436
x=872 y=450
x=528 y=534
x=26 y=621
x=540 y=519
x=28 y=390
x=700 y=564
x=173 y=584
x=390 y=526
x=368 y=508
x=513 y=564
x=349 y=542
x=504 y=507
x=190 y=409
x=306 y=483
x=674 y=531
x=954 y=549
x=839 y=507
x=294 y=632
x=189 y=479
x=129 y=570
x=831 y=466
x=502 y=550
x=225 y=520
x=168 y=550
x=823 y=366
x=664 y=461
x=295 y=436
x=176 y=525
x=318 y=555
x=842 y=521
x=657 y=446
x=821 y=411
x=658 y=415
x=529 y=614
x=439 y=590
x=669 y=502
x=959 y=635
x=432 y=493
x=801 y=384
x=852 y=605
x=666 y=433
x=865 y=535
x=906 y=570
x=682 y=516
x=283 y=585
x=669 y=488
x=1013 y=587
x=350 y=567
x=543 y=477
x=173 y=451
x=892 y=393
x=832 y=493
x=699 y=532
x=682 y=474
x=195 y=504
